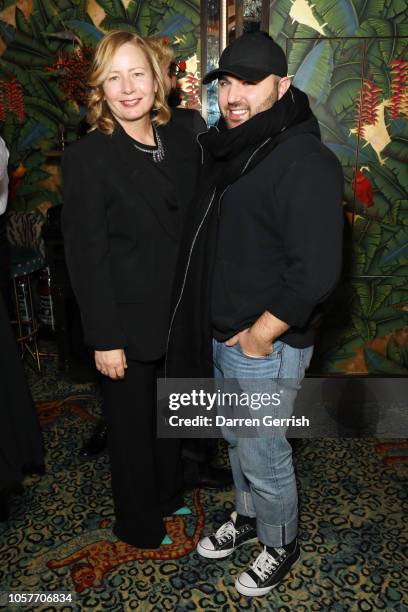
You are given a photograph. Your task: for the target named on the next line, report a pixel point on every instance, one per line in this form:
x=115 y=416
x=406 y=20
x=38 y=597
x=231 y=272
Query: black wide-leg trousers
x=146 y=471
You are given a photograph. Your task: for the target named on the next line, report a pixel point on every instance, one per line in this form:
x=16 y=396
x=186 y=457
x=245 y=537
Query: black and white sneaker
x=267 y=571
x=227 y=539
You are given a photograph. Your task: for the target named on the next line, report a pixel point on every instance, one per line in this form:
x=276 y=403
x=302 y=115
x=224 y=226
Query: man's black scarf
x=229 y=154
x=230 y=149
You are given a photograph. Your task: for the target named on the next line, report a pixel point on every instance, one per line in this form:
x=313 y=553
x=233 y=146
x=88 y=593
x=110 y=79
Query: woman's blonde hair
x=99 y=114
x=163 y=51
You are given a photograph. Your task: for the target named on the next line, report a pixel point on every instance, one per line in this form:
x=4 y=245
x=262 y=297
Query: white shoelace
x=226 y=532
x=264 y=564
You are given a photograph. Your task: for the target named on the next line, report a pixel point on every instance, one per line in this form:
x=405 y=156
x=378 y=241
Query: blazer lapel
x=147 y=185
x=183 y=158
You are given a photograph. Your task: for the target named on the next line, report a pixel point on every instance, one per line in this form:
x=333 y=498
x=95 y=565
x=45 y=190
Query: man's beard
x=268 y=103
x=265 y=105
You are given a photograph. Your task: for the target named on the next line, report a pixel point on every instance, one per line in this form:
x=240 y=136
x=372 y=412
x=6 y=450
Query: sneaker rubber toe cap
x=246 y=581
x=206 y=548
x=206 y=544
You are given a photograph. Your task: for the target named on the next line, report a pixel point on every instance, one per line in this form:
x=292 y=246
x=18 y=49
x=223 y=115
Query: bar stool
x=24 y=263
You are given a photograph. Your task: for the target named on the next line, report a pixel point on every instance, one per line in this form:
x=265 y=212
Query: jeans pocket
x=276 y=352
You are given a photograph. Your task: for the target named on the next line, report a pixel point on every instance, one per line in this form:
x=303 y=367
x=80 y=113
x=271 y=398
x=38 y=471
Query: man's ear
x=283 y=86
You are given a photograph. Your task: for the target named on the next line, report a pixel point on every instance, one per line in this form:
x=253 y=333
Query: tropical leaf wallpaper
x=350 y=57
x=45 y=48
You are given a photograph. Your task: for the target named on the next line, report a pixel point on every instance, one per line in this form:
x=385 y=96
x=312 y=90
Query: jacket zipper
x=194 y=241
x=185 y=278
x=200 y=145
x=254 y=153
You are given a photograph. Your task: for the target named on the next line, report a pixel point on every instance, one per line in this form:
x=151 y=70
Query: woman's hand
x=111 y=363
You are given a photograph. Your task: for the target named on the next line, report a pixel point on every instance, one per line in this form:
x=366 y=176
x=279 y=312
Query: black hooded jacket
x=266 y=234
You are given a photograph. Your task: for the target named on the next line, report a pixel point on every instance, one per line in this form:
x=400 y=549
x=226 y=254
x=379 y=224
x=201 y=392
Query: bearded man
x=261 y=253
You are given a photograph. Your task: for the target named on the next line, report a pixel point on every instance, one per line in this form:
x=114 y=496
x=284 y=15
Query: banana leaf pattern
x=350 y=57
x=42 y=48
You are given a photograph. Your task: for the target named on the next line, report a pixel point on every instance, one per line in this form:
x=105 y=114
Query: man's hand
x=111 y=363
x=250 y=344
x=257 y=341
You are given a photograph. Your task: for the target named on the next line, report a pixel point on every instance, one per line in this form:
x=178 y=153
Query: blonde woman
x=127 y=185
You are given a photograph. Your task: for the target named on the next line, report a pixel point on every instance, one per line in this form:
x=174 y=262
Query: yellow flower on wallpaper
x=8 y=15
x=96 y=12
x=376 y=134
x=301 y=11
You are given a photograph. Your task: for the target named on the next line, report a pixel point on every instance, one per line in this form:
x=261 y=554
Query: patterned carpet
x=353 y=528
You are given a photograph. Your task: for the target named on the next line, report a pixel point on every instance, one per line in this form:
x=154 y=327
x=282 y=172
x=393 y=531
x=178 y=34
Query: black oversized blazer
x=121 y=238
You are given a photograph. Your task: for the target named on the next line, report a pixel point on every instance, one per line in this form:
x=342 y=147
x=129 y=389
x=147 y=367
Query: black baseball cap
x=251 y=57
